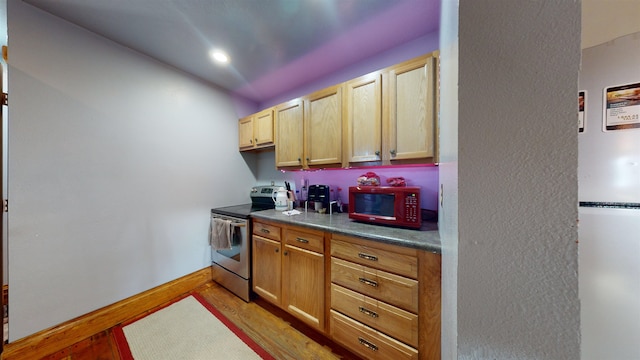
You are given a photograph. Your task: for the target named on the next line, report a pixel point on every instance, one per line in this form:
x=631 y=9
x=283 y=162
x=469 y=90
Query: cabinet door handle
x=266 y=231
x=277 y=250
x=369 y=345
x=393 y=152
x=368 y=257
x=304 y=241
x=377 y=152
x=366 y=311
x=368 y=282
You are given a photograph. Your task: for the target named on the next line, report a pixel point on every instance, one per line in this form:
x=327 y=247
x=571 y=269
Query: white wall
x=115 y=161
x=516 y=268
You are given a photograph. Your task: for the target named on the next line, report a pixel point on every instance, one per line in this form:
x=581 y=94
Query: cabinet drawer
x=305 y=240
x=266 y=230
x=393 y=289
x=367 y=342
x=397 y=263
x=386 y=318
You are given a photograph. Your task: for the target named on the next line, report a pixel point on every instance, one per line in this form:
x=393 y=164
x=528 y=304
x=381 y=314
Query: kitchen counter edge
x=427 y=238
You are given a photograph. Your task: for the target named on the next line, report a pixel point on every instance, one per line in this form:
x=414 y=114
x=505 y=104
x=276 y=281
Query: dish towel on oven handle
x=220 y=233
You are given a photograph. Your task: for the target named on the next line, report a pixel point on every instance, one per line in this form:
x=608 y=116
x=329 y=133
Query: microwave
x=386 y=205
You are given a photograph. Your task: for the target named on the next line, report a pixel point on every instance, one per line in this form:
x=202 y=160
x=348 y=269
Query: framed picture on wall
x=622 y=107
x=582 y=99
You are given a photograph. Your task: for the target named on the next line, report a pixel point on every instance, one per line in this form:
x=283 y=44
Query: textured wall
x=517 y=288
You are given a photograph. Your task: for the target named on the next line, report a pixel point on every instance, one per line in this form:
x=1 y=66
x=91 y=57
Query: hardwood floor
x=278 y=333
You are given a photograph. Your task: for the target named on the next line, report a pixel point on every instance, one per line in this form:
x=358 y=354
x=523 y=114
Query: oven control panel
x=263 y=191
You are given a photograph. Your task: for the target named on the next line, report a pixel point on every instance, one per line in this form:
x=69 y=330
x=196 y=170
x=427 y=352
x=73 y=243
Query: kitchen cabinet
x=245 y=133
x=323 y=127
x=256 y=131
x=387 y=117
x=288 y=270
x=309 y=130
x=289 y=134
x=390 y=115
x=411 y=97
x=363 y=119
x=267 y=261
x=385 y=299
x=303 y=280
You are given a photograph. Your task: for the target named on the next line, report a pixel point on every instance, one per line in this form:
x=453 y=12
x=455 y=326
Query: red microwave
x=386 y=205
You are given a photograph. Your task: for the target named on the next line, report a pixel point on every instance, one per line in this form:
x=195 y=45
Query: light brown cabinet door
x=263 y=128
x=411 y=113
x=267 y=269
x=245 y=133
x=289 y=134
x=303 y=285
x=363 y=117
x=323 y=127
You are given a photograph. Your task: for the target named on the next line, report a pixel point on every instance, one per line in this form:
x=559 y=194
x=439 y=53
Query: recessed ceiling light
x=219 y=56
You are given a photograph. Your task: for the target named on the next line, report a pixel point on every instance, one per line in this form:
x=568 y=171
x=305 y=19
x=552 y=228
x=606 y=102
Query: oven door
x=235 y=259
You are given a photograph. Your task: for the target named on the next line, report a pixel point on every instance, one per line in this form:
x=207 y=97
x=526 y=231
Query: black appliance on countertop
x=231 y=267
x=324 y=194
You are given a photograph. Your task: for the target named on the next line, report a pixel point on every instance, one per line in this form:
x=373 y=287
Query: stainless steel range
x=230 y=238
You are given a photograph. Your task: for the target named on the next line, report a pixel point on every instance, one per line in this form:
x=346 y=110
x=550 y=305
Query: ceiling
x=274 y=45
x=278 y=45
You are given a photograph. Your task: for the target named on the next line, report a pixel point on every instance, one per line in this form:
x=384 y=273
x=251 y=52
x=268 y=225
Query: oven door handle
x=234 y=222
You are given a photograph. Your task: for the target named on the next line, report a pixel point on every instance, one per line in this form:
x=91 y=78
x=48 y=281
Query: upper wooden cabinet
x=390 y=115
x=289 y=134
x=309 y=130
x=256 y=131
x=387 y=117
x=323 y=127
x=363 y=119
x=411 y=98
x=245 y=133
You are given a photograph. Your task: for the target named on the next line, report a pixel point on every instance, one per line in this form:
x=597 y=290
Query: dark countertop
x=427 y=238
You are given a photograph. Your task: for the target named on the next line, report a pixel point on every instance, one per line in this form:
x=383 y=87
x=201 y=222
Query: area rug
x=190 y=328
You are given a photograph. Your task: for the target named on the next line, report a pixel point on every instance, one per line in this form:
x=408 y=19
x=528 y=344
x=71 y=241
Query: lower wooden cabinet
x=267 y=269
x=398 y=323
x=368 y=342
x=290 y=273
x=378 y=300
x=382 y=285
x=303 y=278
x=385 y=299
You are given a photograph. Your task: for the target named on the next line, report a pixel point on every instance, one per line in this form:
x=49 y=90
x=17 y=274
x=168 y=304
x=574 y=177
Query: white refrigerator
x=609 y=194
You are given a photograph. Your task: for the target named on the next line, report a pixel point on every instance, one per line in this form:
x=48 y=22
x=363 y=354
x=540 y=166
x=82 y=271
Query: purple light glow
x=399 y=24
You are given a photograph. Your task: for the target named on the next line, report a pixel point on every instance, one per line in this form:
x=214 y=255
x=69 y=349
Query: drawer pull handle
x=266 y=231
x=304 y=241
x=368 y=257
x=366 y=311
x=368 y=282
x=369 y=345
